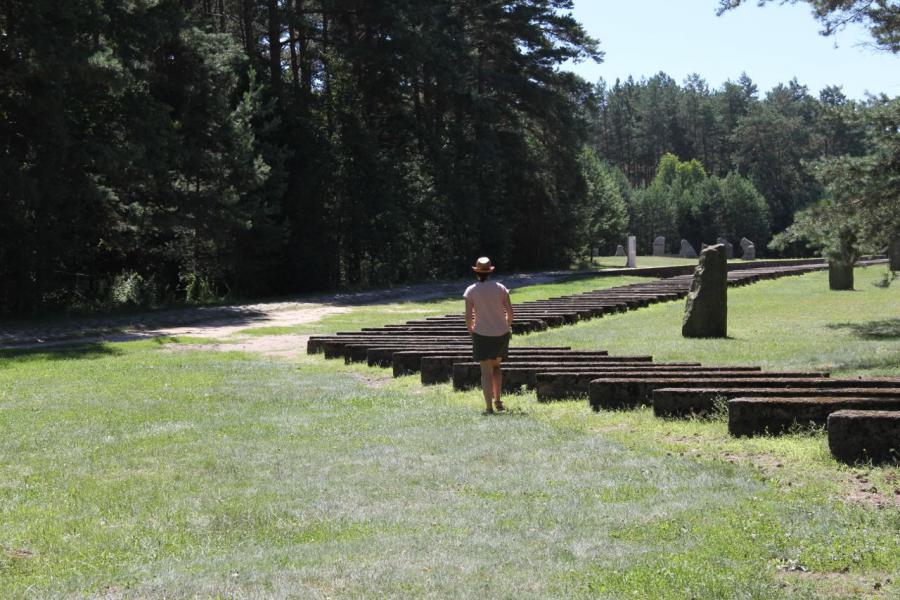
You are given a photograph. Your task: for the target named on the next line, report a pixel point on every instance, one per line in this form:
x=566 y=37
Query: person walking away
x=489 y=317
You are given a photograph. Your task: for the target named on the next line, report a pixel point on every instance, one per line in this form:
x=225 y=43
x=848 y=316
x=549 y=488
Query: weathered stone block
x=840 y=275
x=632 y=252
x=659 y=246
x=729 y=249
x=894 y=254
x=701 y=396
x=863 y=435
x=687 y=251
x=620 y=251
x=773 y=416
x=706 y=311
x=748 y=249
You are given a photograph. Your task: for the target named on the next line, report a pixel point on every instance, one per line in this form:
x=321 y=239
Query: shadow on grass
x=62 y=352
x=885 y=329
x=890 y=361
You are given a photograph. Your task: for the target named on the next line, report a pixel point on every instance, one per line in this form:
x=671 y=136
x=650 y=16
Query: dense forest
x=166 y=150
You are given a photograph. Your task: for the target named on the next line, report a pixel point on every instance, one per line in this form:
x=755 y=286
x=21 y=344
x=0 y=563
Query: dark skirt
x=489 y=347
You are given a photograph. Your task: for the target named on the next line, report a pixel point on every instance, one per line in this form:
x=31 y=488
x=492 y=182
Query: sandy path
x=224 y=323
x=279 y=345
x=226 y=330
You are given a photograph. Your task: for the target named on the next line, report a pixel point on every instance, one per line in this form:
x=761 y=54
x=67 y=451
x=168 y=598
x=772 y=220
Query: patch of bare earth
x=863 y=490
x=843 y=584
x=232 y=340
x=370 y=381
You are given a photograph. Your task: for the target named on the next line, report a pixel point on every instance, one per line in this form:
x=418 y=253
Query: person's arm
x=470 y=315
x=507 y=305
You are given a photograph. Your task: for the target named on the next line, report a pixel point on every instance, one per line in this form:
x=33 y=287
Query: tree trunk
x=274 y=35
x=247 y=28
x=295 y=67
x=840 y=275
x=305 y=56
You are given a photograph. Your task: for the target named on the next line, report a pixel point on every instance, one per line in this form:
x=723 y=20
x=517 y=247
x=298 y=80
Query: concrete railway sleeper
x=610 y=393
x=703 y=397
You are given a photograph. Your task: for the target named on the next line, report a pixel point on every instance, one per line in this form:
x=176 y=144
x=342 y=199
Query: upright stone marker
x=659 y=246
x=706 y=311
x=620 y=251
x=749 y=249
x=840 y=275
x=729 y=249
x=894 y=254
x=687 y=251
x=632 y=252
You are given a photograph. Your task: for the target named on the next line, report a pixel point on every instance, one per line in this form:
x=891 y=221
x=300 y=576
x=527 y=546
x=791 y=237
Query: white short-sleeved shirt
x=490 y=312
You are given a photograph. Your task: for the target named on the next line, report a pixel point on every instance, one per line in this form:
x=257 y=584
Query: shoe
x=498 y=406
x=488 y=411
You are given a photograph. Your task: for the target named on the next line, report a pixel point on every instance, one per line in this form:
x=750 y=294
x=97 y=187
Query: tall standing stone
x=659 y=246
x=748 y=249
x=632 y=252
x=706 y=311
x=620 y=251
x=840 y=275
x=729 y=249
x=894 y=254
x=687 y=251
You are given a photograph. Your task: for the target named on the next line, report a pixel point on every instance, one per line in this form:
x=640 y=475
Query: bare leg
x=487 y=382
x=498 y=384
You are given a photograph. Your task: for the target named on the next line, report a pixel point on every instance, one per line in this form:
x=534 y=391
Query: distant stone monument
x=620 y=251
x=840 y=275
x=687 y=251
x=706 y=311
x=729 y=249
x=659 y=246
x=632 y=252
x=894 y=254
x=748 y=248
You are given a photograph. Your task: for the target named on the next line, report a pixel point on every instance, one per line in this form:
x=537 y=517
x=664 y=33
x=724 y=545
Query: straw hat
x=483 y=265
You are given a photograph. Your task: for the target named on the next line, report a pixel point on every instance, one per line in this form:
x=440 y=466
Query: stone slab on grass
x=515 y=376
x=562 y=383
x=864 y=435
x=685 y=401
x=773 y=416
x=617 y=394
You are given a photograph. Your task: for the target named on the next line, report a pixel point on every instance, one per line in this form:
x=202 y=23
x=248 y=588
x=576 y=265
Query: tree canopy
x=880 y=17
x=181 y=150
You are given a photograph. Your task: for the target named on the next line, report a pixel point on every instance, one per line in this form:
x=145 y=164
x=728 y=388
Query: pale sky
x=772 y=44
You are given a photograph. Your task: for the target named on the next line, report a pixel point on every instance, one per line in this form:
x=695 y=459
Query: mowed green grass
x=618 y=262
x=150 y=470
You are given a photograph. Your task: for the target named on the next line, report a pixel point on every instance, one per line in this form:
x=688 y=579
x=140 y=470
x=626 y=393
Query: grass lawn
x=618 y=262
x=147 y=469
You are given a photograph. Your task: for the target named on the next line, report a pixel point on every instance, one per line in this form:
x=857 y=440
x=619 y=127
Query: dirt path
x=226 y=328
x=223 y=323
